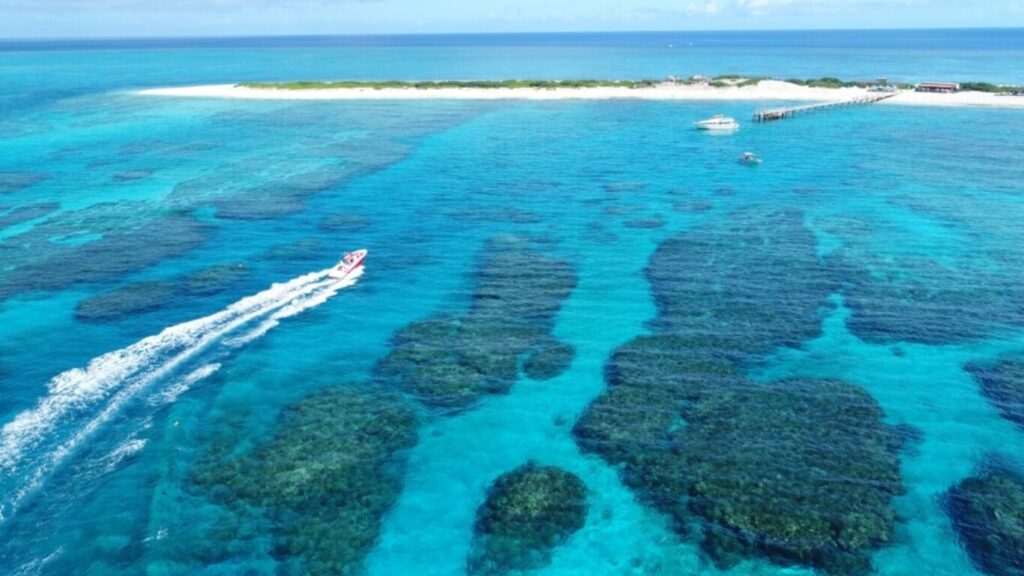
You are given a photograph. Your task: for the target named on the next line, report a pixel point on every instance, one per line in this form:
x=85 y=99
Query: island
x=697 y=88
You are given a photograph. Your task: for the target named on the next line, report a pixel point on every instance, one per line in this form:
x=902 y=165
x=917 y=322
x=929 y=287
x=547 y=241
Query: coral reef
x=25 y=213
x=305 y=249
x=922 y=300
x=598 y=233
x=132 y=175
x=799 y=471
x=214 y=279
x=987 y=512
x=147 y=296
x=282 y=198
x=324 y=481
x=616 y=187
x=451 y=361
x=645 y=223
x=698 y=206
x=1003 y=385
x=99 y=243
x=755 y=285
x=528 y=512
x=941 y=293
x=549 y=359
x=14 y=181
x=620 y=209
x=495 y=214
x=127 y=301
x=345 y=222
x=796 y=471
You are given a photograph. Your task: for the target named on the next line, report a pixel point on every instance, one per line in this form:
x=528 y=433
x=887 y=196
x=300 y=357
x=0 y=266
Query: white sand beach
x=768 y=90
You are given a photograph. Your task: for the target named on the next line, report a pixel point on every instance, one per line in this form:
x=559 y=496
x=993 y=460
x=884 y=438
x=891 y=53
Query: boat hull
x=718 y=127
x=718 y=123
x=352 y=262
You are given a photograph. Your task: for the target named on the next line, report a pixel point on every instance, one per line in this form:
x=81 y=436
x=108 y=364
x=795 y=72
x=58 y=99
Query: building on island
x=939 y=87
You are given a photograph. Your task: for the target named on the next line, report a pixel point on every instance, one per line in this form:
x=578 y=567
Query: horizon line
x=508 y=33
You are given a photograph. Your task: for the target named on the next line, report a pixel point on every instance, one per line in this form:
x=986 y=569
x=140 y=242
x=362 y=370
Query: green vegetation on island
x=436 y=84
x=722 y=81
x=991 y=88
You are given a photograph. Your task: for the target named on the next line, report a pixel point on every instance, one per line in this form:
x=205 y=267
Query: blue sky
x=119 y=18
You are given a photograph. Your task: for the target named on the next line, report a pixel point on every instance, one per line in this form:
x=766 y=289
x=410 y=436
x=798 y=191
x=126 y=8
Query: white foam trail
x=78 y=388
x=126 y=450
x=36 y=566
x=117 y=377
x=295 y=307
x=171 y=393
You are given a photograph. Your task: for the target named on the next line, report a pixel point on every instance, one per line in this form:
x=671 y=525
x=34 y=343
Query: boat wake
x=80 y=401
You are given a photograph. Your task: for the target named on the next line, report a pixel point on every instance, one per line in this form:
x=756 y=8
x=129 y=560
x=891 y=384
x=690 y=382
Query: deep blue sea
x=792 y=368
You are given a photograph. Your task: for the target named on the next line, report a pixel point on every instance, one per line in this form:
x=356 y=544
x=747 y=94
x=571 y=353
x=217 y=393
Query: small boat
x=750 y=159
x=349 y=263
x=718 y=123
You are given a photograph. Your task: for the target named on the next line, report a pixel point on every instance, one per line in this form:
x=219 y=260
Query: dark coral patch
x=988 y=514
x=23 y=214
x=95 y=244
x=15 y=181
x=921 y=300
x=282 y=198
x=910 y=294
x=616 y=187
x=652 y=381
x=496 y=214
x=451 y=361
x=528 y=512
x=345 y=222
x=441 y=363
x=599 y=233
x=645 y=223
x=799 y=471
x=549 y=359
x=619 y=209
x=305 y=249
x=214 y=279
x=324 y=481
x=127 y=301
x=1003 y=385
x=698 y=206
x=132 y=175
x=754 y=286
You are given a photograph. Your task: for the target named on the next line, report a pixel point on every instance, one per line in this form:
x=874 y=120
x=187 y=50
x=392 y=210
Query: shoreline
x=768 y=91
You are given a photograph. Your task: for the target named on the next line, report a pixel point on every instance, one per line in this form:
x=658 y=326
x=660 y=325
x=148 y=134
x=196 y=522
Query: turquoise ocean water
x=162 y=309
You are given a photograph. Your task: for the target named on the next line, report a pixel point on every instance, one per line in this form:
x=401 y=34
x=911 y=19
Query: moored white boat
x=349 y=263
x=718 y=123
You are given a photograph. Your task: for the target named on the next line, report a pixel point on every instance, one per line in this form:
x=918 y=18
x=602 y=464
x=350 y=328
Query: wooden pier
x=789 y=112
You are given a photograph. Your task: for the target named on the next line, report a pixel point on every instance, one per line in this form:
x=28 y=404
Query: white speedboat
x=349 y=263
x=718 y=123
